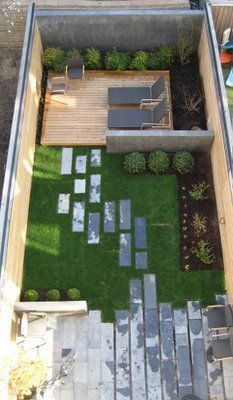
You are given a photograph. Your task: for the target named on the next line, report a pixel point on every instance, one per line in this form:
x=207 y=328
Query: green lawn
x=56 y=257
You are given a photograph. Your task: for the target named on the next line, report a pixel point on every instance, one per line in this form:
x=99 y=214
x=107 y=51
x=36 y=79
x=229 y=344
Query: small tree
x=185 y=45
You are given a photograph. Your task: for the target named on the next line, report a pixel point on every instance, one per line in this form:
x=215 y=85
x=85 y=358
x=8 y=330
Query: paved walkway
x=152 y=352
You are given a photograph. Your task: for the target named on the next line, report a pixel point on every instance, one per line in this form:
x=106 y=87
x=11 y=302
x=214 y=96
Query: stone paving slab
x=150 y=295
x=107 y=342
x=141 y=260
x=200 y=388
x=138 y=390
x=221 y=299
x=81 y=164
x=122 y=329
x=140 y=232
x=66 y=160
x=167 y=340
x=125 y=214
x=125 y=250
x=94 y=228
x=194 y=310
x=169 y=380
x=165 y=312
x=184 y=391
x=109 y=217
x=95 y=158
x=183 y=366
x=79 y=186
x=80 y=391
x=63 y=203
x=107 y=391
x=135 y=291
x=95 y=181
x=78 y=216
x=122 y=355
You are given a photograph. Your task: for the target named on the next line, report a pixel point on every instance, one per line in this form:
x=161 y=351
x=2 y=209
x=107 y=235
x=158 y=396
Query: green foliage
x=117 y=61
x=162 y=58
x=198 y=191
x=53 y=295
x=140 y=61
x=185 y=47
x=92 y=59
x=31 y=295
x=204 y=252
x=158 y=161
x=199 y=223
x=183 y=162
x=73 y=53
x=54 y=59
x=73 y=294
x=135 y=163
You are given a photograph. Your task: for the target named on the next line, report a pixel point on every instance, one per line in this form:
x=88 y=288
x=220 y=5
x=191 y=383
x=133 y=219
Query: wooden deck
x=80 y=117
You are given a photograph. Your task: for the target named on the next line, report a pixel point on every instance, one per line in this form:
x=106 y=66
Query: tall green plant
x=140 y=61
x=93 y=59
x=54 y=59
x=116 y=60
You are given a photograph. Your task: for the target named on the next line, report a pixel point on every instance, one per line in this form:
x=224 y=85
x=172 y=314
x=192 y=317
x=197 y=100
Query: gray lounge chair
x=75 y=68
x=222 y=347
x=220 y=317
x=136 y=118
x=136 y=95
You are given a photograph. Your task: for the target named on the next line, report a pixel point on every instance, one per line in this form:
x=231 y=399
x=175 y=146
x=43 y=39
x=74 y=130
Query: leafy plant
x=135 y=163
x=199 y=223
x=185 y=46
x=117 y=61
x=53 y=295
x=73 y=53
x=140 y=61
x=31 y=295
x=158 y=161
x=183 y=162
x=198 y=191
x=93 y=59
x=162 y=58
x=73 y=294
x=54 y=59
x=204 y=252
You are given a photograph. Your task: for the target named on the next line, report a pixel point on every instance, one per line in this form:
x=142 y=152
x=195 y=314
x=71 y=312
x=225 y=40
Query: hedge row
x=52 y=294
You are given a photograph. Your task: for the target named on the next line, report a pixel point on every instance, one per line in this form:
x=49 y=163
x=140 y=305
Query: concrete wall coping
x=161 y=133
x=64 y=307
x=73 y=12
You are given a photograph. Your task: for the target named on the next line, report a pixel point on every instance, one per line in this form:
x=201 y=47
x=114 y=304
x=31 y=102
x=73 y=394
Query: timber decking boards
x=83 y=120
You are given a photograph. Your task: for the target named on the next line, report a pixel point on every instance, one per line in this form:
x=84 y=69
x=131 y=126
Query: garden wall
x=220 y=167
x=126 y=141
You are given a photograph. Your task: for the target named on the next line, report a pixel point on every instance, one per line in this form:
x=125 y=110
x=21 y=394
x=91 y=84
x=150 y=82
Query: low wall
x=126 y=141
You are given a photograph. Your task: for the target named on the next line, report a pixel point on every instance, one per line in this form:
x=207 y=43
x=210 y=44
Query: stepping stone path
x=140 y=232
x=94 y=228
x=125 y=214
x=95 y=158
x=66 y=161
x=78 y=216
x=81 y=164
x=63 y=203
x=79 y=186
x=141 y=260
x=95 y=181
x=122 y=377
x=109 y=217
x=125 y=250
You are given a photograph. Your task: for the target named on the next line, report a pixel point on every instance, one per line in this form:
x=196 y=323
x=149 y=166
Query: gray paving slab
x=221 y=299
x=125 y=250
x=94 y=394
x=167 y=340
x=122 y=329
x=154 y=393
x=78 y=216
x=141 y=260
x=200 y=389
x=106 y=391
x=165 y=310
x=81 y=164
x=227 y=366
x=79 y=186
x=151 y=327
x=140 y=232
x=94 y=369
x=63 y=203
x=66 y=160
x=93 y=228
x=183 y=366
x=169 y=380
x=80 y=391
x=95 y=182
x=109 y=217
x=96 y=158
x=138 y=390
x=152 y=353
x=135 y=291
x=125 y=214
x=150 y=294
x=184 y=391
x=194 y=310
x=107 y=342
x=122 y=355
x=81 y=335
x=94 y=330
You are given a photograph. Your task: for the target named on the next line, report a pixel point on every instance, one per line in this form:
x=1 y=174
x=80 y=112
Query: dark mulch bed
x=206 y=208
x=41 y=105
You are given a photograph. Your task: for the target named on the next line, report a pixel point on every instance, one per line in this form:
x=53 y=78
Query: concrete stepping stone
x=140 y=232
x=94 y=228
x=107 y=361
x=125 y=214
x=125 y=250
x=141 y=260
x=95 y=158
x=78 y=216
x=63 y=203
x=194 y=310
x=66 y=160
x=169 y=379
x=79 y=186
x=221 y=299
x=135 y=291
x=109 y=217
x=95 y=181
x=167 y=338
x=122 y=356
x=94 y=353
x=150 y=296
x=81 y=164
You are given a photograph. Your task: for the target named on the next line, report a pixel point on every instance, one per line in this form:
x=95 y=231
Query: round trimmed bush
x=54 y=59
x=117 y=61
x=73 y=294
x=183 y=162
x=158 y=161
x=140 y=61
x=92 y=59
x=163 y=58
x=53 y=295
x=31 y=295
x=135 y=163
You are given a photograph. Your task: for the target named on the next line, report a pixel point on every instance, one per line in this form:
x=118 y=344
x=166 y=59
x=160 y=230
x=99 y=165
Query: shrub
x=158 y=161
x=117 y=61
x=73 y=294
x=140 y=61
x=135 y=163
x=163 y=58
x=92 y=59
x=204 y=252
x=73 y=53
x=53 y=295
x=183 y=162
x=199 y=223
x=31 y=295
x=185 y=47
x=54 y=59
x=198 y=191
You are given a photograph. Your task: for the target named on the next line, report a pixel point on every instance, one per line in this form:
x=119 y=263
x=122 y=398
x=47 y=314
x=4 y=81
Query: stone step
x=122 y=355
